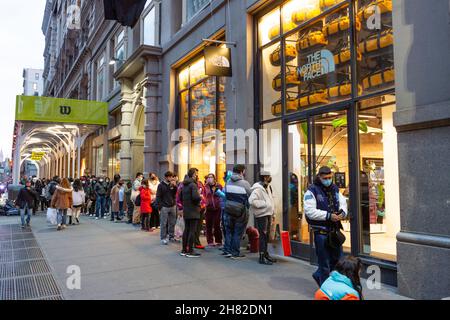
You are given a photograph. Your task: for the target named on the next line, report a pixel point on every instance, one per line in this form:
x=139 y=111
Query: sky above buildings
x=22 y=47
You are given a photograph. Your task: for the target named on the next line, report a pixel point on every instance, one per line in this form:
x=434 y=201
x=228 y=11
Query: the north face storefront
x=326 y=84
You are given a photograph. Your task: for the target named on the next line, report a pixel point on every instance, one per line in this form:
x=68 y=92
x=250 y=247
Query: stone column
x=152 y=131
x=125 y=138
x=422 y=119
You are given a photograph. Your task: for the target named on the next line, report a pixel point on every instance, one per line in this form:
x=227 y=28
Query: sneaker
x=64 y=226
x=23 y=226
x=164 y=242
x=183 y=254
x=174 y=240
x=59 y=227
x=96 y=218
x=199 y=247
x=105 y=217
x=193 y=255
x=238 y=257
x=211 y=245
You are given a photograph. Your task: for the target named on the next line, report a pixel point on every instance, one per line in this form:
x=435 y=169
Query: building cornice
x=136 y=61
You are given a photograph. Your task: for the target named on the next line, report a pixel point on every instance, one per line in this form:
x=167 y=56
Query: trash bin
x=253 y=238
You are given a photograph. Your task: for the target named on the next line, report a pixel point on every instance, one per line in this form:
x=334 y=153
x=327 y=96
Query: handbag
x=51 y=216
x=335 y=238
x=234 y=209
x=137 y=201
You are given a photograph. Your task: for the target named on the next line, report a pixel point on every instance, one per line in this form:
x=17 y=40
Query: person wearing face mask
x=165 y=199
x=118 y=203
x=100 y=194
x=155 y=217
x=262 y=207
x=134 y=193
x=213 y=211
x=190 y=197
x=324 y=208
x=237 y=190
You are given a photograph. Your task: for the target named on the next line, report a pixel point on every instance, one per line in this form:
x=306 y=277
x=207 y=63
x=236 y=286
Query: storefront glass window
x=271 y=161
x=298 y=180
x=375 y=42
x=114 y=158
x=271 y=82
x=99 y=162
x=203 y=121
x=197 y=71
x=318 y=69
x=269 y=27
x=202 y=110
x=296 y=12
x=380 y=207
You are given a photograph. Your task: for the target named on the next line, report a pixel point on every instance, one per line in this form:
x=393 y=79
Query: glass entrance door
x=319 y=140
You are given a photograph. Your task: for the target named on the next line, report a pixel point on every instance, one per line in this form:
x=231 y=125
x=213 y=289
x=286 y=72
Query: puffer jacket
x=146 y=200
x=261 y=201
x=237 y=189
x=62 y=198
x=191 y=199
x=78 y=197
x=179 y=201
x=213 y=201
x=337 y=287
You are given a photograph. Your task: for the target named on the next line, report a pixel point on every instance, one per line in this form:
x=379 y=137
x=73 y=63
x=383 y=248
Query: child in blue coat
x=344 y=282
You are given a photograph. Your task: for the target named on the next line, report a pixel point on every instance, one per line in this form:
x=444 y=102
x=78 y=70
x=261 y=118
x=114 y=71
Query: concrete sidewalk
x=120 y=262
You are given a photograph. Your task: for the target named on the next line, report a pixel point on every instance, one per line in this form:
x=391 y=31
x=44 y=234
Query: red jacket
x=146 y=200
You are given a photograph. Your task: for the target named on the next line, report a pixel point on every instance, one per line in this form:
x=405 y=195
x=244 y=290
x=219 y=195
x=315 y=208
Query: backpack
x=137 y=202
x=52 y=188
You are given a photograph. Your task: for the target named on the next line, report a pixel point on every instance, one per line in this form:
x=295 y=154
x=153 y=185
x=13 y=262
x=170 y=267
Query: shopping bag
x=51 y=216
x=179 y=227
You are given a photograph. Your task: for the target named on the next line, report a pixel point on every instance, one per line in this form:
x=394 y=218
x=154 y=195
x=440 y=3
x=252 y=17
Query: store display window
x=380 y=205
x=114 y=158
x=326 y=71
x=375 y=41
x=202 y=111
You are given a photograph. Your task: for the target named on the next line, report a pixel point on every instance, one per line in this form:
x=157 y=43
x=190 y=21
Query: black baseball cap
x=324 y=170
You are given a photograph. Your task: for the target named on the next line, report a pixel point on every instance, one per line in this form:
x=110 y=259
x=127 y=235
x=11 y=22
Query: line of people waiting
x=152 y=204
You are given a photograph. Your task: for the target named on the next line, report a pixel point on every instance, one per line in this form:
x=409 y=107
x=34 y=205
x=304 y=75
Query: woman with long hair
x=79 y=198
x=61 y=201
x=344 y=282
x=213 y=211
x=153 y=184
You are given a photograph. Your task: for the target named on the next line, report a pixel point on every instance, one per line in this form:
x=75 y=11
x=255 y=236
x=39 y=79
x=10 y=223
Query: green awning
x=58 y=110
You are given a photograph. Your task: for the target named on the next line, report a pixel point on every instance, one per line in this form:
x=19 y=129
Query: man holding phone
x=324 y=208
